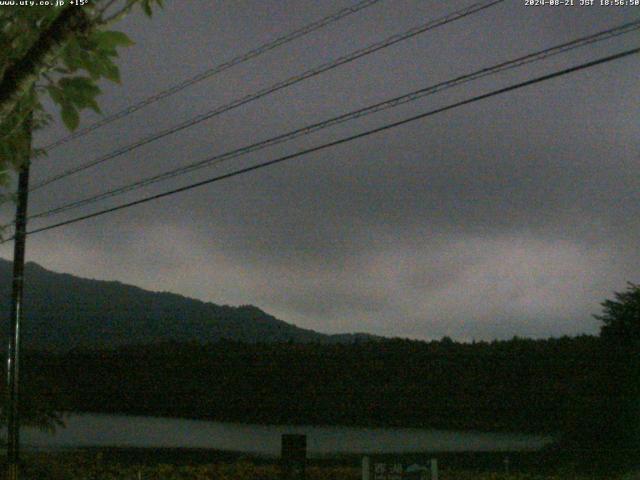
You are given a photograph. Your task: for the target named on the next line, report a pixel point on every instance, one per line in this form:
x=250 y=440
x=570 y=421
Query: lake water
x=97 y=430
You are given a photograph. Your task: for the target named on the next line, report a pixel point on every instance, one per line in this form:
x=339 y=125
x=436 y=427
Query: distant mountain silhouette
x=63 y=311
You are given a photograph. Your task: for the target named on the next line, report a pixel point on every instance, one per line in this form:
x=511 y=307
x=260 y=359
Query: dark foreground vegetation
x=585 y=390
x=519 y=385
x=572 y=387
x=83 y=465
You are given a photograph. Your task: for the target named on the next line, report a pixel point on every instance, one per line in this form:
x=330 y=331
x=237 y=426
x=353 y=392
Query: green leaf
x=146 y=7
x=6 y=153
x=70 y=116
x=80 y=91
x=93 y=105
x=5 y=179
x=72 y=55
x=91 y=63
x=110 y=40
x=109 y=70
x=79 y=86
x=56 y=94
x=15 y=148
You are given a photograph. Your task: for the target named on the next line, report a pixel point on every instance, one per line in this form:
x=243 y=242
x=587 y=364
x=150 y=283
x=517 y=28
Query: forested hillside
x=519 y=385
x=64 y=311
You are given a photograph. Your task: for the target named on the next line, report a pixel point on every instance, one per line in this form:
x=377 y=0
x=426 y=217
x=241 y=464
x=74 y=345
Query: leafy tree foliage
x=61 y=52
x=621 y=317
x=603 y=422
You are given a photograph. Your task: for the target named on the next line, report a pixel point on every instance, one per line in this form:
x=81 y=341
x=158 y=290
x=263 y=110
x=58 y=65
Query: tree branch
x=116 y=16
x=21 y=75
x=104 y=9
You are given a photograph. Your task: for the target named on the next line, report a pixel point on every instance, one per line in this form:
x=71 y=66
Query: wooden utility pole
x=13 y=358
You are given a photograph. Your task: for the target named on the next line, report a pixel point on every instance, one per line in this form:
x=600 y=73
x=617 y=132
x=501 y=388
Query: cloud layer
x=513 y=216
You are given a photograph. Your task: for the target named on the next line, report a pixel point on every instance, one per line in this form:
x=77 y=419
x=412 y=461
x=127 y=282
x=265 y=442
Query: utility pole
x=13 y=358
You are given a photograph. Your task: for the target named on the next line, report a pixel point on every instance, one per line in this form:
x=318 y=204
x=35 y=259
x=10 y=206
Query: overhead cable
x=390 y=103
x=343 y=140
x=278 y=42
x=475 y=8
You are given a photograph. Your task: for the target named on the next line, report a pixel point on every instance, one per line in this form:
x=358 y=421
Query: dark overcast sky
x=516 y=215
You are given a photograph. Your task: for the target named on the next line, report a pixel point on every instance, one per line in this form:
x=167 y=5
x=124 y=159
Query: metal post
x=366 y=468
x=434 y=469
x=13 y=359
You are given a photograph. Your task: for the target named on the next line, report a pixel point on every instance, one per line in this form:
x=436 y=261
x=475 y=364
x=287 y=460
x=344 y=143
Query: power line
x=475 y=8
x=415 y=95
x=344 y=139
x=278 y=42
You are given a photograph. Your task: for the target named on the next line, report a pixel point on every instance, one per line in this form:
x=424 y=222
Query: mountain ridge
x=63 y=311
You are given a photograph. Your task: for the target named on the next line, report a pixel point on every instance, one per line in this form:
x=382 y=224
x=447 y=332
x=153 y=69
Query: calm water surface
x=92 y=430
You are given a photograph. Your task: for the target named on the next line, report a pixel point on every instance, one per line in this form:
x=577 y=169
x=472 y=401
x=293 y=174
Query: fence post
x=366 y=468
x=434 y=469
x=293 y=456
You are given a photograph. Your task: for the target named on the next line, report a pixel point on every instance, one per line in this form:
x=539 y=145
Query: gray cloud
x=513 y=216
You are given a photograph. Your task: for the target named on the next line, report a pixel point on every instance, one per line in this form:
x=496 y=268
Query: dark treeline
x=585 y=390
x=518 y=385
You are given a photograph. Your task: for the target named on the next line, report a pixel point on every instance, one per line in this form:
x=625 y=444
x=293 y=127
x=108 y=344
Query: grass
x=91 y=466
